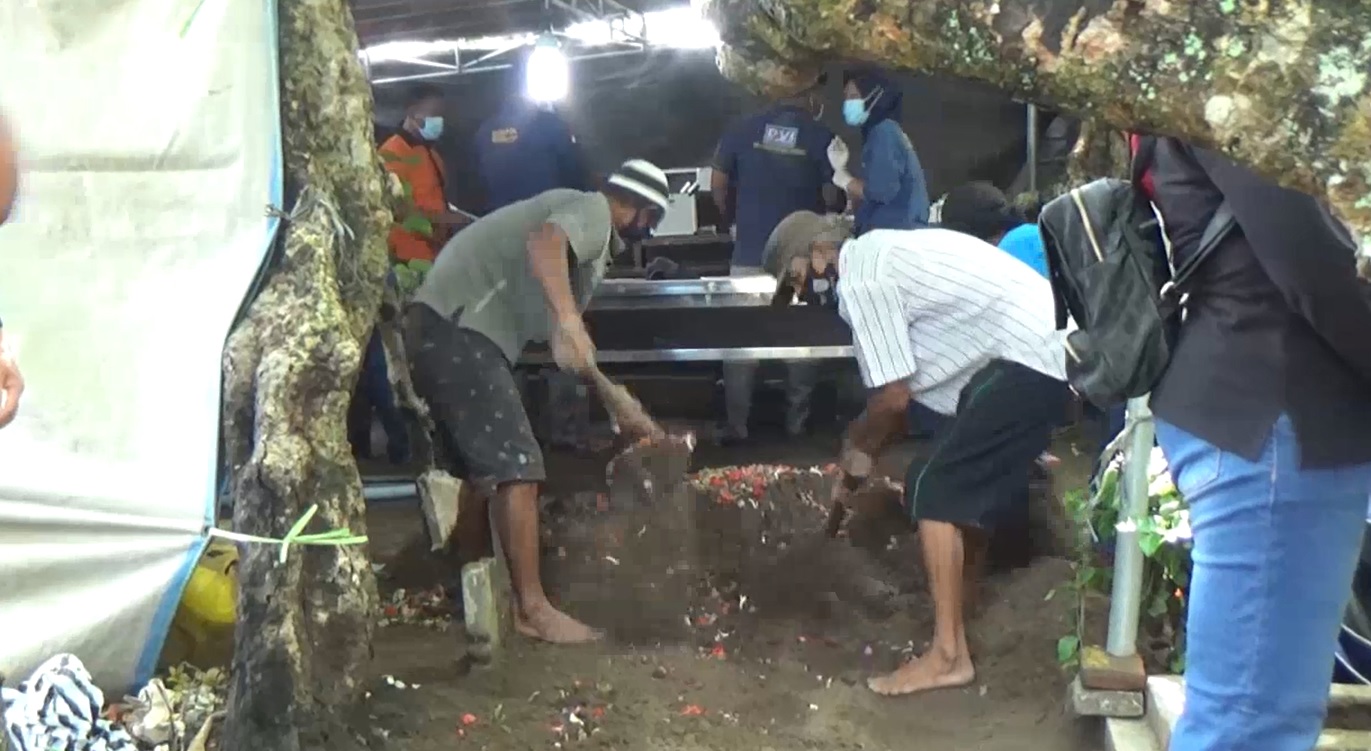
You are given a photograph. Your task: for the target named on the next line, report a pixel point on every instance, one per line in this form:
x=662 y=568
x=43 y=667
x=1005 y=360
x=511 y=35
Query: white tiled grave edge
x=1166 y=699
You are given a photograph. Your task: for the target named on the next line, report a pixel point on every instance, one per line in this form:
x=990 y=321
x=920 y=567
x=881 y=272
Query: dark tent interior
x=671 y=106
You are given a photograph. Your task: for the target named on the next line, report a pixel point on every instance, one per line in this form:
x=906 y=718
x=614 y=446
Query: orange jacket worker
x=411 y=156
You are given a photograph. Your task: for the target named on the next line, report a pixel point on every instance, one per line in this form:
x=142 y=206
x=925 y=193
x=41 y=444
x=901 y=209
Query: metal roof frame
x=625 y=26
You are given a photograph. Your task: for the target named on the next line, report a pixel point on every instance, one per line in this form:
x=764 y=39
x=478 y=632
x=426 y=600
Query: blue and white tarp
x=149 y=147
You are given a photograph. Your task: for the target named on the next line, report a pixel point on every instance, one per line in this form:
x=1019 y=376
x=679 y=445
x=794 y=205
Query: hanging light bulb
x=547 y=75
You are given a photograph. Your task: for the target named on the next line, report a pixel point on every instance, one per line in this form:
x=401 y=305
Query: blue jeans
x=374 y=396
x=1274 y=551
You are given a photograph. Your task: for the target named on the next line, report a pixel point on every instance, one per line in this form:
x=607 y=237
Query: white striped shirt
x=931 y=307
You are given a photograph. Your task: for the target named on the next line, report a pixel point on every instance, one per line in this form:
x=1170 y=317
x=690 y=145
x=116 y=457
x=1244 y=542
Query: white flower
x=1156 y=462
x=1180 y=529
x=1161 y=485
x=1158 y=474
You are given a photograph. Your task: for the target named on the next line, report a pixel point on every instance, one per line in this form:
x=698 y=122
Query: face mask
x=432 y=128
x=854 y=112
x=820 y=288
x=641 y=227
x=634 y=234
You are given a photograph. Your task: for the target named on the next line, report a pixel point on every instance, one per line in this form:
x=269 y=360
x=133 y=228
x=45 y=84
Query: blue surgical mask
x=432 y=128
x=855 y=112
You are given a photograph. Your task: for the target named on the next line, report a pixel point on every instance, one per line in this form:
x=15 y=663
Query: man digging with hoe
x=521 y=274
x=967 y=330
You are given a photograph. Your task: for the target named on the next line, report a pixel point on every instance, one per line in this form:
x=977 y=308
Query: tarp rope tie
x=309 y=200
x=296 y=536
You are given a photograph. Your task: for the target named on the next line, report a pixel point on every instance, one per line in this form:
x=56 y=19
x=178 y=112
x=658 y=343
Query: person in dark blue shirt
x=768 y=166
x=892 y=192
x=525 y=149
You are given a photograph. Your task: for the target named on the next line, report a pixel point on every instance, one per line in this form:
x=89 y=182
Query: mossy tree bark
x=303 y=642
x=1281 y=85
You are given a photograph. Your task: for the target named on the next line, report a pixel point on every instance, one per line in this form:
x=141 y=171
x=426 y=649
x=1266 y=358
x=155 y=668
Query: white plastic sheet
x=149 y=146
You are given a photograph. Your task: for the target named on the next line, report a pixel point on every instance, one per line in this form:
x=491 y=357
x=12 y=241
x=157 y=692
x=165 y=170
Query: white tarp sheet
x=149 y=145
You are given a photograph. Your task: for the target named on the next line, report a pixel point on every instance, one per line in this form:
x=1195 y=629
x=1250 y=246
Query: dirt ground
x=731 y=625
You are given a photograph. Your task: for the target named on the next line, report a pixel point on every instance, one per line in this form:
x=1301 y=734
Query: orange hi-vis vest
x=420 y=167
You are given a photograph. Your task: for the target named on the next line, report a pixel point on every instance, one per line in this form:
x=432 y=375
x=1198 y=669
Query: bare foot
x=934 y=670
x=546 y=623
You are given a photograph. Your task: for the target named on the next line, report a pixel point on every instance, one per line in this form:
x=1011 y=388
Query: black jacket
x=1276 y=321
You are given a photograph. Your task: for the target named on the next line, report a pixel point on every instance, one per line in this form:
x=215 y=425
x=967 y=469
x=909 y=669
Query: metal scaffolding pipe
x=1032 y=128
x=1126 y=597
x=390 y=491
x=489 y=68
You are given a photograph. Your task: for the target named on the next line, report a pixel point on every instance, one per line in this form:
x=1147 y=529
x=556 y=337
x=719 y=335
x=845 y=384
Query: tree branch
x=1281 y=85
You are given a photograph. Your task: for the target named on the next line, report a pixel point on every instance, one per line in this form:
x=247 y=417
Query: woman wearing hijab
x=892 y=194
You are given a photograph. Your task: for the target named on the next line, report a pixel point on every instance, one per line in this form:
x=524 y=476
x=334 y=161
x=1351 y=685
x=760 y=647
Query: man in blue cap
x=523 y=150
x=768 y=166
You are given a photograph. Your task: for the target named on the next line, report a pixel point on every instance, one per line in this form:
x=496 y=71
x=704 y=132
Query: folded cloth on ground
x=58 y=709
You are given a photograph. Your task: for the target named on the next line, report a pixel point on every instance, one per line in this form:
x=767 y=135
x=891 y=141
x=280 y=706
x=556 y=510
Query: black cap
x=978 y=209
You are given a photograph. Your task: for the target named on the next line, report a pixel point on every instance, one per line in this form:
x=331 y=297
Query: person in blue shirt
x=526 y=149
x=523 y=150
x=892 y=192
x=981 y=210
x=768 y=166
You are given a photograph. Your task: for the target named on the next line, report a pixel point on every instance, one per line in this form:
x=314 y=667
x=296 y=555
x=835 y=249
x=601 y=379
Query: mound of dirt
x=722 y=541
x=734 y=623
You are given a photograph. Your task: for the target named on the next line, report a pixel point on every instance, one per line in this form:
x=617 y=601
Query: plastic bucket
x=202 y=630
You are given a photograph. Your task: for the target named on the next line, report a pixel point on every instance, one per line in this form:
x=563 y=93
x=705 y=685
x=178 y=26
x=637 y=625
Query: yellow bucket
x=202 y=630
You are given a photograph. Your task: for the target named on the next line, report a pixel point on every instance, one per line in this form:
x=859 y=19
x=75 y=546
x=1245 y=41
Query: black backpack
x=1112 y=275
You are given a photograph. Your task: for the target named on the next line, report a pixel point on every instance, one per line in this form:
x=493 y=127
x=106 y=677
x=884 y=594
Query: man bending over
x=520 y=274
x=960 y=326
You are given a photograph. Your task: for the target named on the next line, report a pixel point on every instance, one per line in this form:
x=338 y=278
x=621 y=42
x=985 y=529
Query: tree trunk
x=1281 y=85
x=303 y=642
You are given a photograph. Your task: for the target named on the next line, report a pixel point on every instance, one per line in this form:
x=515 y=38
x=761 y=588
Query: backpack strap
x=1220 y=226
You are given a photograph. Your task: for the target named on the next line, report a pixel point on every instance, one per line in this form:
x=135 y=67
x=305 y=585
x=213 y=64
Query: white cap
x=642 y=178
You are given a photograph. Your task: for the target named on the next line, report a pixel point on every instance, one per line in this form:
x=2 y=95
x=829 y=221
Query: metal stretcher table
x=713 y=319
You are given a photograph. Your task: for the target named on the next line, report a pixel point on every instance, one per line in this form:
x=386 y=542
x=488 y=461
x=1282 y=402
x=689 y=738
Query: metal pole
x=1032 y=128
x=1125 y=600
x=473 y=68
x=391 y=491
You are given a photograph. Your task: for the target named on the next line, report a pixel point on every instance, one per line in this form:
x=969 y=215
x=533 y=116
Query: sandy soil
x=732 y=625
